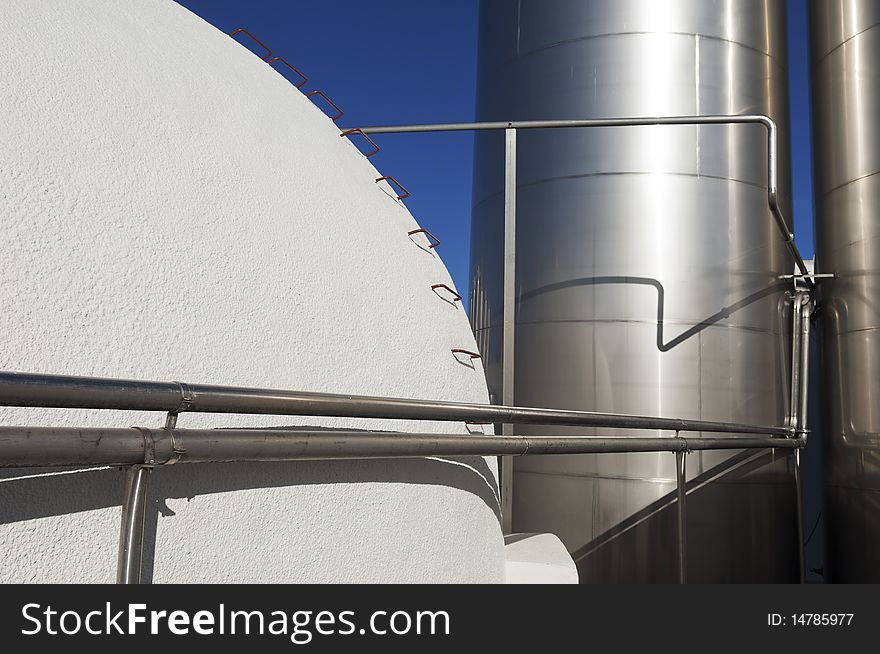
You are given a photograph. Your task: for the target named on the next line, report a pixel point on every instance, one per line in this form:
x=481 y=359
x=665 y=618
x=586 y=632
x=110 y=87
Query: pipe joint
x=160 y=446
x=186 y=398
x=685 y=448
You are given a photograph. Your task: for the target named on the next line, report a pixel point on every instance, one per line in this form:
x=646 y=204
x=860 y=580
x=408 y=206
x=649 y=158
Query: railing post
x=131 y=534
x=508 y=354
x=800 y=516
x=794 y=404
x=681 y=518
x=803 y=311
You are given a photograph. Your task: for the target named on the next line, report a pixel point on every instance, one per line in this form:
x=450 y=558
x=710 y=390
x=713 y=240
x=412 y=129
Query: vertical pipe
x=804 y=310
x=800 y=515
x=794 y=418
x=681 y=505
x=131 y=535
x=795 y=388
x=509 y=316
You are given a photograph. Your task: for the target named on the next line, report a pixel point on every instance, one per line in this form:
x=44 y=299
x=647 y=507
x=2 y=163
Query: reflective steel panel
x=647 y=270
x=845 y=38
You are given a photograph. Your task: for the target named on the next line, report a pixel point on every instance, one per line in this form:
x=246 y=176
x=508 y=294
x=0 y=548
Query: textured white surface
x=538 y=559
x=172 y=208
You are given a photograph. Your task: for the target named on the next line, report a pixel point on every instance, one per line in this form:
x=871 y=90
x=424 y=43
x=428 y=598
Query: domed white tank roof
x=172 y=208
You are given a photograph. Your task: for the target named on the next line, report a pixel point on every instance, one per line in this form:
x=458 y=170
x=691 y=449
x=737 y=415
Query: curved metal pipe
x=758 y=119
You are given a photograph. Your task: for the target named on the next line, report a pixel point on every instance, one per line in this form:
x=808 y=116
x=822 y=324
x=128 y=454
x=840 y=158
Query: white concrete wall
x=171 y=208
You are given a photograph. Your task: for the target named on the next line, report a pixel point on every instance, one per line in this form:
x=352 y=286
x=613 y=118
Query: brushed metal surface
x=845 y=40
x=647 y=270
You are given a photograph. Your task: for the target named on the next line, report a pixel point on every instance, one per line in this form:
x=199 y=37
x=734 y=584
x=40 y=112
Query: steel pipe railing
x=70 y=392
x=510 y=130
x=141 y=449
x=74 y=446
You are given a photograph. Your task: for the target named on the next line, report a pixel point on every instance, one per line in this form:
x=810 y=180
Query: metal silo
x=647 y=270
x=845 y=39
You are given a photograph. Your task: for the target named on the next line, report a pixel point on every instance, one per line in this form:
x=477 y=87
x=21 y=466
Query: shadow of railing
x=655 y=524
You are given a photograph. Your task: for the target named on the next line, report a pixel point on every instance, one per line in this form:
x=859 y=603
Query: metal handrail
x=142 y=448
x=71 y=392
x=797 y=418
x=113 y=446
x=758 y=119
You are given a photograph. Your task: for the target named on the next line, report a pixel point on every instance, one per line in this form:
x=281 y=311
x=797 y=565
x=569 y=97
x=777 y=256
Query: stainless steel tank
x=845 y=37
x=648 y=271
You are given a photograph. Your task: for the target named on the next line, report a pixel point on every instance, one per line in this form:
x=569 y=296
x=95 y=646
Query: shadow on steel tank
x=647 y=272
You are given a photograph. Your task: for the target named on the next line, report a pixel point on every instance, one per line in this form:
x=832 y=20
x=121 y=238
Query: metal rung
x=435 y=242
x=472 y=355
x=253 y=38
x=387 y=178
x=305 y=79
x=456 y=297
x=339 y=115
x=357 y=130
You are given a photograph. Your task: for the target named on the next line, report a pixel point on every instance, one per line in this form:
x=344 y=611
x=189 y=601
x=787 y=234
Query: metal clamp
x=387 y=178
x=161 y=446
x=241 y=30
x=455 y=296
x=149 y=446
x=305 y=79
x=329 y=101
x=434 y=240
x=472 y=355
x=686 y=449
x=177 y=448
x=358 y=130
x=186 y=399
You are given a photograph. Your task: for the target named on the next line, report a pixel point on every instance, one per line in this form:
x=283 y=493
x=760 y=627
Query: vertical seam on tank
x=518 y=25
x=594 y=509
x=697 y=95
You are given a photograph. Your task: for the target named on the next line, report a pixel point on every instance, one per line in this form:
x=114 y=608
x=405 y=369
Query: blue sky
x=414 y=61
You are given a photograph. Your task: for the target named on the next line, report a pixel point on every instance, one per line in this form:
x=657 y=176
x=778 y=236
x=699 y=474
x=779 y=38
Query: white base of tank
x=537 y=559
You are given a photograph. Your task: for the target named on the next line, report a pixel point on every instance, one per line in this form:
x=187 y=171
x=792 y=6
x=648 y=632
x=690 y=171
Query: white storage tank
x=172 y=208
